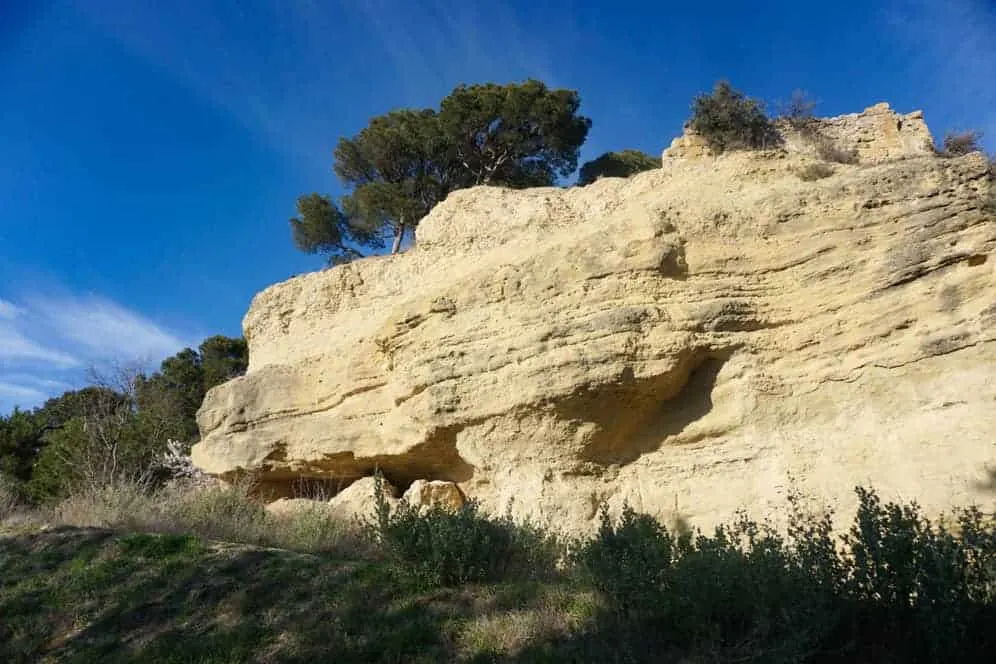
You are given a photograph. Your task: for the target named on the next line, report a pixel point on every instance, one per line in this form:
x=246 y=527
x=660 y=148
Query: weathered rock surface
x=694 y=340
x=431 y=493
x=878 y=134
x=358 y=500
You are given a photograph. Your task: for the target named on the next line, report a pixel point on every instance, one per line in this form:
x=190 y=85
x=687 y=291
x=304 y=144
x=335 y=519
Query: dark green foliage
x=729 y=120
x=108 y=443
x=930 y=593
x=321 y=227
x=98 y=435
x=171 y=396
x=897 y=588
x=398 y=168
x=628 y=562
x=406 y=161
x=82 y=433
x=20 y=442
x=222 y=359
x=617 y=165
x=92 y=400
x=440 y=547
x=516 y=135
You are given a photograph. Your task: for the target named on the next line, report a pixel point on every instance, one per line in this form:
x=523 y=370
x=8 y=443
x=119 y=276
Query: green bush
x=728 y=120
x=617 y=165
x=440 y=547
x=895 y=588
x=919 y=588
x=628 y=562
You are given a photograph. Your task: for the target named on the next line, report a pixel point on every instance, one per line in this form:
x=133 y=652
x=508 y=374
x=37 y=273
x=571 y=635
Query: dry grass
x=507 y=631
x=227 y=514
x=813 y=172
x=960 y=143
x=830 y=152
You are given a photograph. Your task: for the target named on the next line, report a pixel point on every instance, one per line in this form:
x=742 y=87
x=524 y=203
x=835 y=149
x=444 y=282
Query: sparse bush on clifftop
x=729 y=120
x=829 y=151
x=798 y=110
x=960 y=143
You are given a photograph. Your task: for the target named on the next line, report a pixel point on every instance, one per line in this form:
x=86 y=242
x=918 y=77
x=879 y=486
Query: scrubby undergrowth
x=433 y=585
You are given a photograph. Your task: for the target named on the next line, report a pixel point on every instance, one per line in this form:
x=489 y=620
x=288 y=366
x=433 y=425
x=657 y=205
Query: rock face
x=691 y=340
x=423 y=493
x=878 y=134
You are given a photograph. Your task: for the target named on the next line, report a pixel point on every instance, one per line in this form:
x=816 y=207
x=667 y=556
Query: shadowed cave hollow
x=435 y=459
x=632 y=417
x=635 y=417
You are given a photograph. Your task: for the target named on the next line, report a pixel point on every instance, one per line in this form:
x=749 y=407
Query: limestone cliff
x=691 y=339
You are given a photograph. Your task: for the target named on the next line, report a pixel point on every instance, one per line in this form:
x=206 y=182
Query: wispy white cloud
x=7 y=310
x=18 y=394
x=951 y=45
x=266 y=85
x=102 y=329
x=436 y=44
x=282 y=87
x=15 y=346
x=48 y=343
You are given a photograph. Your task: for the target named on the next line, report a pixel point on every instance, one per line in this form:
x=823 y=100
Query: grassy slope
x=86 y=595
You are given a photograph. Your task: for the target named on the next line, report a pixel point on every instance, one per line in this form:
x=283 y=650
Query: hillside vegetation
x=437 y=586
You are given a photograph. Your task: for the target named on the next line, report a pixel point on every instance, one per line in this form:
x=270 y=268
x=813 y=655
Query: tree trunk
x=398 y=234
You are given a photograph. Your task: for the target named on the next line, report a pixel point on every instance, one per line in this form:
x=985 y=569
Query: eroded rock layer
x=691 y=340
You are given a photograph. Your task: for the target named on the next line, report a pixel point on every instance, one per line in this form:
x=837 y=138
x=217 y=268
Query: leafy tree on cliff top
x=617 y=165
x=398 y=167
x=321 y=227
x=516 y=135
x=406 y=161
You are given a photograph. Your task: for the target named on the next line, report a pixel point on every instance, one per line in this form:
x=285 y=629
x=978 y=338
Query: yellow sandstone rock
x=693 y=339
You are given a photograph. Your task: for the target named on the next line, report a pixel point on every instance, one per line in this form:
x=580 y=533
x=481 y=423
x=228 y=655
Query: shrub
x=109 y=448
x=315 y=530
x=628 y=562
x=895 y=588
x=617 y=165
x=957 y=144
x=439 y=547
x=728 y=120
x=828 y=151
x=814 y=172
x=798 y=110
x=917 y=588
x=224 y=513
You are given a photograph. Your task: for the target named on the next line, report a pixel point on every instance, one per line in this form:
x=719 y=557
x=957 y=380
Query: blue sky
x=151 y=152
